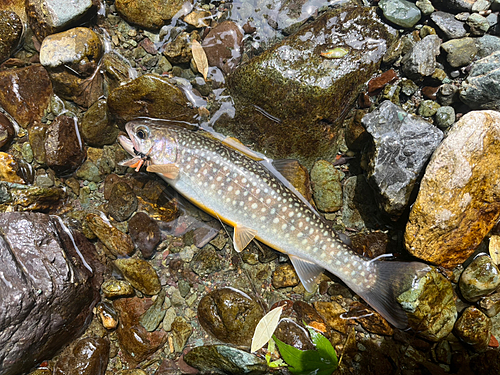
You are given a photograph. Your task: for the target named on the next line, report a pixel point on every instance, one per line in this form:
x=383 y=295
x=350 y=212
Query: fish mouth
x=127 y=144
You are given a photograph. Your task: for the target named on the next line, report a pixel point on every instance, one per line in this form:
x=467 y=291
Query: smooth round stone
x=474 y=328
x=445 y=117
x=140 y=274
x=428 y=108
x=117 y=288
x=480 y=278
x=145 y=233
x=11 y=30
x=97 y=128
x=89 y=356
x=401 y=12
x=122 y=202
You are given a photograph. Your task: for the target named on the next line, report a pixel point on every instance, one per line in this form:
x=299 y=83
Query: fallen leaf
x=200 y=58
x=495 y=249
x=265 y=328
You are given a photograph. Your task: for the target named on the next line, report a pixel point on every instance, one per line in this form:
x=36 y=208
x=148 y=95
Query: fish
x=239 y=187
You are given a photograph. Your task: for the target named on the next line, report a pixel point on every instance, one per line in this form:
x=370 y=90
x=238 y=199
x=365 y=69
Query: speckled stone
x=11 y=29
x=97 y=128
x=480 y=278
x=449 y=25
x=145 y=233
x=284 y=276
x=445 y=117
x=478 y=24
x=327 y=189
x=117 y=242
x=428 y=108
x=117 y=288
x=421 y=60
x=122 y=202
x=460 y=51
x=474 y=328
x=140 y=274
x=206 y=261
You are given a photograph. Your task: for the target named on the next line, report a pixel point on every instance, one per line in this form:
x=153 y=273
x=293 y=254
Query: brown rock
x=292 y=334
x=116 y=288
x=474 y=328
x=309 y=316
x=117 y=242
x=87 y=356
x=285 y=276
x=122 y=202
x=25 y=93
x=297 y=175
x=222 y=46
x=7 y=131
x=198 y=18
x=97 y=128
x=11 y=29
x=457 y=203
x=179 y=50
x=379 y=82
x=151 y=14
x=145 y=233
x=8 y=169
x=370 y=319
x=140 y=274
x=181 y=330
x=331 y=312
x=17 y=6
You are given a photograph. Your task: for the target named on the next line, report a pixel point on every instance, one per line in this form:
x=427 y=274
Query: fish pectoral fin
x=170 y=171
x=242 y=237
x=132 y=163
x=308 y=272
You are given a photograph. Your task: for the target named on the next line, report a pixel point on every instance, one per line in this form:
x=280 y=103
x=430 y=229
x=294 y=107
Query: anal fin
x=170 y=171
x=308 y=272
x=242 y=237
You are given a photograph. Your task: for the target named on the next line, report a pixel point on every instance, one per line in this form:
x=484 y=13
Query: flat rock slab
x=457 y=204
x=49 y=285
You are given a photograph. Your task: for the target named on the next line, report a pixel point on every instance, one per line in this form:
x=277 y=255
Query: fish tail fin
x=392 y=279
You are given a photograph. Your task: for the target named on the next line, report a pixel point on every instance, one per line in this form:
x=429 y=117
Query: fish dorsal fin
x=170 y=171
x=308 y=272
x=242 y=237
x=238 y=146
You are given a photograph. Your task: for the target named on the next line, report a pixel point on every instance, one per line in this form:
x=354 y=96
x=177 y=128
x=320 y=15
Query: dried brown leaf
x=200 y=58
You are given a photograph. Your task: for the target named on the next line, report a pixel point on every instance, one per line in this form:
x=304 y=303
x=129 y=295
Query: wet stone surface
x=86 y=356
x=11 y=30
x=474 y=328
x=480 y=278
x=145 y=233
x=139 y=274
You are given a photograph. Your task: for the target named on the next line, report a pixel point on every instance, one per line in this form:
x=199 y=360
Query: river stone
x=481 y=89
x=222 y=359
x=50 y=285
x=327 y=189
x=293 y=334
x=150 y=96
x=152 y=318
x=305 y=109
x=86 y=356
x=420 y=61
x=11 y=29
x=116 y=288
x=359 y=210
x=400 y=12
x=206 y=261
x=445 y=117
x=486 y=45
x=454 y=5
x=25 y=93
x=122 y=202
x=427 y=108
x=145 y=233
x=449 y=25
x=151 y=14
x=140 y=274
x=230 y=315
x=7 y=131
x=478 y=24
x=474 y=328
x=402 y=144
x=430 y=306
x=445 y=228
x=480 y=278
x=425 y=7
x=181 y=330
x=29 y=198
x=284 y=276
x=51 y=16
x=460 y=52
x=117 y=242
x=96 y=126
x=64 y=151
x=447 y=94
x=8 y=169
x=490 y=305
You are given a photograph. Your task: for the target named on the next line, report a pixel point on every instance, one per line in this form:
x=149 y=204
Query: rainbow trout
x=239 y=190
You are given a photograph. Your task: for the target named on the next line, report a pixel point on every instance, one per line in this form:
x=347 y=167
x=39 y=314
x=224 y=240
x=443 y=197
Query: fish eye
x=141 y=134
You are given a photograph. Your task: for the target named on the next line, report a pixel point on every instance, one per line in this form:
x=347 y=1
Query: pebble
x=454 y=5
x=297 y=175
x=370 y=319
x=96 y=126
x=140 y=274
x=421 y=60
x=168 y=319
x=474 y=328
x=327 y=189
x=117 y=242
x=107 y=314
x=145 y=233
x=152 y=318
x=11 y=29
x=181 y=330
x=122 y=202
x=445 y=117
x=223 y=45
x=332 y=313
x=401 y=148
x=309 y=316
x=198 y=18
x=179 y=51
x=480 y=278
x=478 y=24
x=230 y=315
x=401 y=12
x=285 y=276
x=447 y=94
x=449 y=25
x=428 y=108
x=88 y=171
x=490 y=305
x=481 y=89
x=206 y=261
x=293 y=334
x=8 y=169
x=425 y=7
x=445 y=228
x=86 y=356
x=150 y=15
x=460 y=52
x=7 y=131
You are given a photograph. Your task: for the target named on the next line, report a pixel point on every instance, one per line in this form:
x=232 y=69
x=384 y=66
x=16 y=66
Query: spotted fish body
x=244 y=194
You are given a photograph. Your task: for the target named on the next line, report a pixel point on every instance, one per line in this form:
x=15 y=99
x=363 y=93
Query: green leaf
x=323 y=345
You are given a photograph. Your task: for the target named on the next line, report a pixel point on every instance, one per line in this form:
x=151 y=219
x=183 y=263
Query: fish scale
x=243 y=193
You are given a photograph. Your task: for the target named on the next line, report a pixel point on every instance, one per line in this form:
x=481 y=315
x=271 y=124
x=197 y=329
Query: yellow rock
x=8 y=169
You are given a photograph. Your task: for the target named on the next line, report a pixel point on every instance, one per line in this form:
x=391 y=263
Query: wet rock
x=29 y=198
x=222 y=359
x=206 y=261
x=430 y=306
x=11 y=29
x=292 y=334
x=481 y=89
x=122 y=202
x=331 y=312
x=449 y=25
x=478 y=24
x=486 y=363
x=358 y=210
x=181 y=330
x=87 y=356
x=48 y=300
x=445 y=228
x=447 y=94
x=25 y=93
x=152 y=318
x=284 y=276
x=117 y=242
x=116 y=288
x=222 y=46
x=460 y=51
x=293 y=124
x=151 y=14
x=486 y=45
x=150 y=96
x=96 y=126
x=230 y=315
x=402 y=144
x=7 y=131
x=8 y=169
x=72 y=59
x=198 y=18
x=474 y=328
x=64 y=151
x=480 y=278
x=428 y=108
x=421 y=60
x=379 y=82
x=140 y=274
x=454 y=5
x=145 y=233
x=107 y=315
x=445 y=117
x=327 y=189
x=117 y=70
x=51 y=16
x=370 y=319
x=137 y=343
x=297 y=175
x=88 y=171
x=309 y=316
x=400 y=12
x=179 y=50
x=490 y=304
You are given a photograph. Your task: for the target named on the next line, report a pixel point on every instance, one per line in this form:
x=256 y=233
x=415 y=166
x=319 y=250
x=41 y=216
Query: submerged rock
x=87 y=356
x=11 y=29
x=151 y=14
x=7 y=131
x=444 y=228
x=402 y=144
x=293 y=334
x=474 y=328
x=305 y=108
x=122 y=202
x=48 y=300
x=480 y=278
x=140 y=274
x=97 y=127
x=145 y=233
x=327 y=189
x=117 y=242
x=223 y=46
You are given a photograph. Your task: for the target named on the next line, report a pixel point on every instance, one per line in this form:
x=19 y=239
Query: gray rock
x=402 y=144
x=481 y=89
x=358 y=209
x=421 y=60
x=449 y=25
x=480 y=278
x=480 y=5
x=460 y=52
x=50 y=284
x=486 y=45
x=447 y=94
x=400 y=12
x=445 y=117
x=425 y=7
x=478 y=24
x=454 y=5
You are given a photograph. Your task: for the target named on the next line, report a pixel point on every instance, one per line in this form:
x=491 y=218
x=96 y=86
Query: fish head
x=155 y=142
